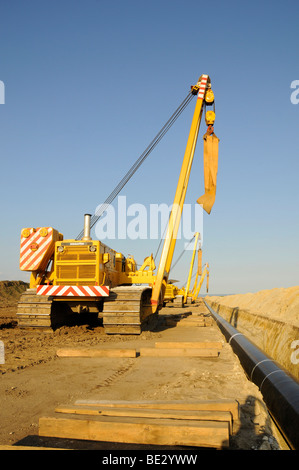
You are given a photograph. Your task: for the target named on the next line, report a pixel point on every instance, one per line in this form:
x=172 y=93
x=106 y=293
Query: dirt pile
x=269 y=318
x=10 y=292
x=279 y=303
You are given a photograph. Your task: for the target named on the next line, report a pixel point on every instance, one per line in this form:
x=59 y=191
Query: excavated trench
x=278 y=339
x=280 y=388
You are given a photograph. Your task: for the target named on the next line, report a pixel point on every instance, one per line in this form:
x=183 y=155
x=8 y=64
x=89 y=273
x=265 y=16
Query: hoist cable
x=138 y=162
x=176 y=262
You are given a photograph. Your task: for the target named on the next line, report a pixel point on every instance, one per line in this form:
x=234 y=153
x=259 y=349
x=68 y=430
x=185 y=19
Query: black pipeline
x=279 y=388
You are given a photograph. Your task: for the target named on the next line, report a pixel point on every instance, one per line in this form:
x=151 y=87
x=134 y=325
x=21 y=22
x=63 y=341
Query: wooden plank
x=179 y=352
x=198 y=318
x=16 y=447
x=70 y=352
x=180 y=324
x=189 y=344
x=192 y=320
x=166 y=432
x=221 y=405
x=186 y=319
x=198 y=415
x=185 y=323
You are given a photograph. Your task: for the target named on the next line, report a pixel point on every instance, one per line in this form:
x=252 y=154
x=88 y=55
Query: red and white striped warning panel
x=202 y=87
x=74 y=291
x=37 y=245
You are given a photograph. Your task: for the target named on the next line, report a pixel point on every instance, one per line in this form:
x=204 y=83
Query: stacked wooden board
x=176 y=423
x=96 y=352
x=194 y=320
x=183 y=348
x=161 y=349
x=193 y=424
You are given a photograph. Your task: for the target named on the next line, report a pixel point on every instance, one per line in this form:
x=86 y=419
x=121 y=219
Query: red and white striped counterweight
x=37 y=247
x=73 y=291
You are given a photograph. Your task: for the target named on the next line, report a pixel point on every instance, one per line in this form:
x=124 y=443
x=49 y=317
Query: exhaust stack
x=86 y=234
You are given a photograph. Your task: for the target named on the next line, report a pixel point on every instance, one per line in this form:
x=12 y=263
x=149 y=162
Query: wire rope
x=178 y=259
x=139 y=161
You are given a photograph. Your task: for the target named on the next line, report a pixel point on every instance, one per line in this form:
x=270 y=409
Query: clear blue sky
x=88 y=84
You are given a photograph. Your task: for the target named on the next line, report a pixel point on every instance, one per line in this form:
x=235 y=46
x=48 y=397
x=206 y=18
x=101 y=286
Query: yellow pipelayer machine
x=85 y=275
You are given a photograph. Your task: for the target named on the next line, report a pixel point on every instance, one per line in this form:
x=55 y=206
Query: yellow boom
x=191 y=268
x=204 y=96
x=199 y=269
x=198 y=287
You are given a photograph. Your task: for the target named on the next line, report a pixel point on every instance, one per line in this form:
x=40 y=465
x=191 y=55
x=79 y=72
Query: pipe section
x=279 y=388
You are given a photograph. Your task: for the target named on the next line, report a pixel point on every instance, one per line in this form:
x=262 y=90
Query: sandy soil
x=33 y=380
x=269 y=318
x=279 y=303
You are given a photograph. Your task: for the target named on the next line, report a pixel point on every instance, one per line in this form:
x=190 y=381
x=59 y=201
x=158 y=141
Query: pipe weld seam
x=236 y=334
x=256 y=365
x=270 y=373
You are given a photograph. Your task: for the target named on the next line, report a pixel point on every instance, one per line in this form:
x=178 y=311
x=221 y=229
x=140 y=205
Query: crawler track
x=41 y=311
x=34 y=311
x=126 y=310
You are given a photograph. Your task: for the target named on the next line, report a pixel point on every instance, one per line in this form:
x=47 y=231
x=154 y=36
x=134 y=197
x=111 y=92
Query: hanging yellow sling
x=210 y=161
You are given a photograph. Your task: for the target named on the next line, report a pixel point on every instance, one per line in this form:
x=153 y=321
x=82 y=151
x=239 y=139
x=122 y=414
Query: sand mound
x=279 y=303
x=10 y=292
